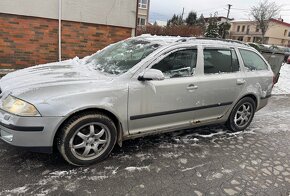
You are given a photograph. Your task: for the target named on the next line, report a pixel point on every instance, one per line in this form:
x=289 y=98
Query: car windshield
x=120 y=57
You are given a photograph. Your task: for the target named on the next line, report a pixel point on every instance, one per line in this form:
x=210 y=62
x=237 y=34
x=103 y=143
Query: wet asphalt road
x=203 y=161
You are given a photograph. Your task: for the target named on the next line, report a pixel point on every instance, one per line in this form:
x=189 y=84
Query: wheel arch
x=229 y=122
x=252 y=96
x=106 y=112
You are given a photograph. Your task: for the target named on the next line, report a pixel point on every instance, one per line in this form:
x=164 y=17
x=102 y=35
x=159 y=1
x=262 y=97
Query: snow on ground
x=283 y=85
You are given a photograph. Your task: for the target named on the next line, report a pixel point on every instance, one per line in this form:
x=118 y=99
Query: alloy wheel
x=243 y=115
x=90 y=141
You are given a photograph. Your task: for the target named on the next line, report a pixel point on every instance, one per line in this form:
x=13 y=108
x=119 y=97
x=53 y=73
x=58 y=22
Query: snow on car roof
x=166 y=40
x=162 y=40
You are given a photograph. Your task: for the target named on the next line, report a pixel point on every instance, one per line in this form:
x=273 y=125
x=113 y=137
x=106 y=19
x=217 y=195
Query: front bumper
x=34 y=133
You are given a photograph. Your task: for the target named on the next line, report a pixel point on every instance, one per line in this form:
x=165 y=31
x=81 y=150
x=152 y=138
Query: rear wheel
x=242 y=115
x=87 y=139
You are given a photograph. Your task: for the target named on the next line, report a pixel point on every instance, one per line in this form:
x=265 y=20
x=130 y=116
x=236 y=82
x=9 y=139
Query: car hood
x=53 y=74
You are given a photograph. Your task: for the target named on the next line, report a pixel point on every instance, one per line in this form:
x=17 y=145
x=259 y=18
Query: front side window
x=143 y=4
x=220 y=61
x=178 y=64
x=253 y=61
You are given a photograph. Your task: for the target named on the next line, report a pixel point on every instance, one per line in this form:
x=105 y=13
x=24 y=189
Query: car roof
x=169 y=40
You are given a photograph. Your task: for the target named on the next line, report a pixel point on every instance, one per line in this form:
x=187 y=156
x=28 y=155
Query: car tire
x=242 y=115
x=87 y=138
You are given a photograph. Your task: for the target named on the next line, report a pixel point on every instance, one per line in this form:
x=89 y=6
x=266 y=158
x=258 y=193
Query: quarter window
x=253 y=61
x=220 y=61
x=178 y=64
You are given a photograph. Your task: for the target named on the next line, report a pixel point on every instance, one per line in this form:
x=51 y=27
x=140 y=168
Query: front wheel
x=242 y=115
x=86 y=139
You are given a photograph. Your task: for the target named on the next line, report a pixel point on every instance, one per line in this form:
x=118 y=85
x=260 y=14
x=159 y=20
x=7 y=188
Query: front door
x=157 y=105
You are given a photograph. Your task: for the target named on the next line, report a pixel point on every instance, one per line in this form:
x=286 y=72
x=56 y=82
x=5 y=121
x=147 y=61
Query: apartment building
x=278 y=32
x=35 y=32
x=143 y=12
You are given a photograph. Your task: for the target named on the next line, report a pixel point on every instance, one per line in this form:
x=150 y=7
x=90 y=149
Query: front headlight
x=19 y=107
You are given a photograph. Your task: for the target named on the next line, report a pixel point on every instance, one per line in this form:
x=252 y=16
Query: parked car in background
x=288 y=60
x=137 y=87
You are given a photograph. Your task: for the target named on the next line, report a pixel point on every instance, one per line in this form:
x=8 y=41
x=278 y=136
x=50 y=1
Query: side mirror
x=151 y=74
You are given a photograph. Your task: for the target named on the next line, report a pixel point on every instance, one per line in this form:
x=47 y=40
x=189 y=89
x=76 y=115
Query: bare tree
x=262 y=13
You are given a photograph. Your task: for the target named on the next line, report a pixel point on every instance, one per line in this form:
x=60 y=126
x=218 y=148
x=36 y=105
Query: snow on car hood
x=59 y=73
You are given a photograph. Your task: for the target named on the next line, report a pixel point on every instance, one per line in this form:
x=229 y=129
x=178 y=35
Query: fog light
x=6 y=136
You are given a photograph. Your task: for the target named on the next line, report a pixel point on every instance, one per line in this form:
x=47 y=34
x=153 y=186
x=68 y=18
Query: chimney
x=281 y=19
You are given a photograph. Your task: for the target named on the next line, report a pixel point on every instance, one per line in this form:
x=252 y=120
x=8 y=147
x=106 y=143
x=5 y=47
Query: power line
x=239 y=9
x=209 y=9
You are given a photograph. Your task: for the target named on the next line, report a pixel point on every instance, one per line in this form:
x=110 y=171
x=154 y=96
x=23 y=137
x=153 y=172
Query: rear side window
x=178 y=64
x=253 y=61
x=220 y=61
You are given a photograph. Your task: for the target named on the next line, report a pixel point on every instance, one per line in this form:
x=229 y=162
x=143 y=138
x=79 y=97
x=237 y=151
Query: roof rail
x=209 y=38
x=220 y=39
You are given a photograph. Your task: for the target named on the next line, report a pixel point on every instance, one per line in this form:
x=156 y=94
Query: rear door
x=221 y=84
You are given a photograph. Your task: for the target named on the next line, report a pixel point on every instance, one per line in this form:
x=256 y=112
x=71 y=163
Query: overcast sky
x=164 y=9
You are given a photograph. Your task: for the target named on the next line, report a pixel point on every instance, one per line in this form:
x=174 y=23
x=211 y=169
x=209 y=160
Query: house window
x=143 y=4
x=257 y=39
x=285 y=33
x=238 y=29
x=257 y=29
x=289 y=34
x=141 y=21
x=243 y=28
x=282 y=41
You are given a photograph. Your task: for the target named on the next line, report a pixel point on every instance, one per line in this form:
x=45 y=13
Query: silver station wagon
x=137 y=87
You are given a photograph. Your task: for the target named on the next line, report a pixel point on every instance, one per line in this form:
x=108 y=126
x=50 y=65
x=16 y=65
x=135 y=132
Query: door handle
x=191 y=87
x=241 y=81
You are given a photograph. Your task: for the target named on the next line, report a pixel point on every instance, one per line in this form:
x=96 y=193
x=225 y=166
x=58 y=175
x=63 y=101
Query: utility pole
x=182 y=14
x=229 y=9
x=228 y=14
